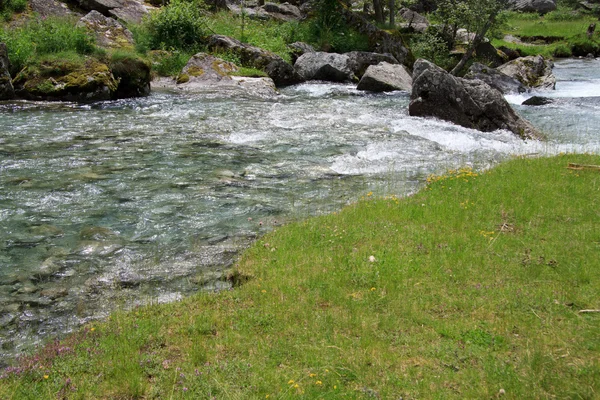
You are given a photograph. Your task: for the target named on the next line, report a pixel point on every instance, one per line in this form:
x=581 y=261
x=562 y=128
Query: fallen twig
x=588 y=311
x=580 y=167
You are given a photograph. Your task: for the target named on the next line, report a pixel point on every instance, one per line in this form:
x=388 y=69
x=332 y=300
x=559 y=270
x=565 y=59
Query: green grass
x=560 y=33
x=469 y=287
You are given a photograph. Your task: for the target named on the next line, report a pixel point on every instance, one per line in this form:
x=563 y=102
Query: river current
x=140 y=201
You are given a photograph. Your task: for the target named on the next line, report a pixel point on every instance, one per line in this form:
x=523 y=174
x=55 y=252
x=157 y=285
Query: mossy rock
x=133 y=76
x=54 y=80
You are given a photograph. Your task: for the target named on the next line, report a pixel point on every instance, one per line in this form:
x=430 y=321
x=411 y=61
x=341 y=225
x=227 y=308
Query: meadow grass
x=560 y=33
x=471 y=288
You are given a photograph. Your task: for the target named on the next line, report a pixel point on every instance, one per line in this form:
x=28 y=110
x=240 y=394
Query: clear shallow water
x=147 y=200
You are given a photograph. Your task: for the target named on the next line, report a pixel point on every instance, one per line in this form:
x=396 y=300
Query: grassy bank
x=471 y=288
x=560 y=33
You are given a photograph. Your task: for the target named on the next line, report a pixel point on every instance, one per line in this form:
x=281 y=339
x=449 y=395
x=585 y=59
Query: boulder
x=413 y=20
x=386 y=77
x=470 y=103
x=531 y=71
x=280 y=71
x=299 y=48
x=108 y=32
x=325 y=67
x=205 y=73
x=65 y=80
x=283 y=11
x=249 y=12
x=129 y=11
x=133 y=75
x=50 y=8
x=361 y=60
x=7 y=91
x=495 y=79
x=492 y=56
x=538 y=6
x=537 y=101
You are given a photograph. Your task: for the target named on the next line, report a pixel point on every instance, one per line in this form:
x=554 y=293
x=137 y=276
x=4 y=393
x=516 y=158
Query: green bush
x=581 y=46
x=9 y=7
x=180 y=25
x=562 y=51
x=432 y=47
x=169 y=63
x=329 y=32
x=42 y=37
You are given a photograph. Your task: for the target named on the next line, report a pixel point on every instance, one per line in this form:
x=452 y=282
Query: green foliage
x=169 y=63
x=10 y=7
x=180 y=25
x=41 y=37
x=581 y=45
x=431 y=46
x=329 y=32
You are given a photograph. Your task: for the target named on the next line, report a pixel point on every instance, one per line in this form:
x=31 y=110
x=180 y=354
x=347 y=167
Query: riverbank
x=474 y=287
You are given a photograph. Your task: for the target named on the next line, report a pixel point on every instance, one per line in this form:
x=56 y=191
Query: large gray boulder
x=205 y=73
x=7 y=91
x=469 y=103
x=495 y=79
x=281 y=72
x=538 y=6
x=361 y=60
x=532 y=71
x=109 y=32
x=324 y=67
x=129 y=11
x=386 y=77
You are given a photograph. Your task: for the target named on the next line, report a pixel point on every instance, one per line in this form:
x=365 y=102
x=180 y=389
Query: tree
x=476 y=16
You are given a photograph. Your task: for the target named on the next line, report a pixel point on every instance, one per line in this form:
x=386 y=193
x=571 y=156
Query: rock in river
x=470 y=103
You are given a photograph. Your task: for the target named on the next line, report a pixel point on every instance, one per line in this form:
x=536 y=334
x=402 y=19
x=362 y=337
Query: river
x=138 y=201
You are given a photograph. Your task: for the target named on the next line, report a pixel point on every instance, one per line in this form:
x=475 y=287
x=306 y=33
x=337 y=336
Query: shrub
x=432 y=47
x=42 y=37
x=9 y=7
x=179 y=25
x=169 y=63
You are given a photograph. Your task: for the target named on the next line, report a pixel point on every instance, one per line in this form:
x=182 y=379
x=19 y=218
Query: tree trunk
x=471 y=49
x=391 y=5
x=378 y=8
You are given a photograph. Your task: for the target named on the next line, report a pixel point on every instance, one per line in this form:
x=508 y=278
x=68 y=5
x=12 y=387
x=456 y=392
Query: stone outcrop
x=6 y=88
x=109 y=33
x=495 y=79
x=322 y=66
x=281 y=72
x=538 y=6
x=469 y=103
x=129 y=11
x=64 y=80
x=532 y=71
x=204 y=73
x=386 y=77
x=361 y=60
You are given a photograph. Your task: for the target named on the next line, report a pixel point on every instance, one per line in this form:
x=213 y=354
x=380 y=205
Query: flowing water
x=135 y=201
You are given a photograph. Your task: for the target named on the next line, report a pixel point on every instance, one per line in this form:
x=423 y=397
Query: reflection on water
x=147 y=200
